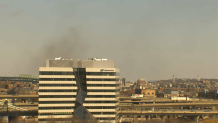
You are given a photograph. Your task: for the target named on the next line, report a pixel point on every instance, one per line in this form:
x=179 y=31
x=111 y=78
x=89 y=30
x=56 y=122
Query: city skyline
x=146 y=39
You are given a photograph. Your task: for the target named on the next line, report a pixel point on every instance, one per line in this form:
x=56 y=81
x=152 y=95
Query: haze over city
x=146 y=39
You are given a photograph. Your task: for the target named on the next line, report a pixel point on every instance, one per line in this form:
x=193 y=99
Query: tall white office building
x=79 y=88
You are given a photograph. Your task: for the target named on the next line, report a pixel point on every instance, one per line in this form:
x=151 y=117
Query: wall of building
x=148 y=92
x=58 y=97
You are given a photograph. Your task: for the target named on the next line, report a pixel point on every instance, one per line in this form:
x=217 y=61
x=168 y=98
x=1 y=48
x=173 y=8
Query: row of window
x=94 y=107
x=69 y=113
x=44 y=108
x=72 y=73
x=101 y=107
x=67 y=85
x=73 y=79
x=75 y=121
x=64 y=102
x=105 y=119
x=40 y=90
x=74 y=96
x=69 y=119
x=56 y=113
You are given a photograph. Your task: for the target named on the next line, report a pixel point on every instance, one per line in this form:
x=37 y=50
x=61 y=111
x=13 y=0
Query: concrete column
x=148 y=117
x=144 y=118
x=163 y=118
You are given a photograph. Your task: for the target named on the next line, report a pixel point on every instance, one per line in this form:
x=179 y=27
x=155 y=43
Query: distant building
x=146 y=92
x=123 y=81
x=210 y=94
x=141 y=82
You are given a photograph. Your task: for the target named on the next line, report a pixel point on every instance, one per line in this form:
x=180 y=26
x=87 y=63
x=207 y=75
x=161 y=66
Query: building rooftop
x=90 y=63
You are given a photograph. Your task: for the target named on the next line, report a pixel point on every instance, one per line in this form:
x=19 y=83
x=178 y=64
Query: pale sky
x=150 y=39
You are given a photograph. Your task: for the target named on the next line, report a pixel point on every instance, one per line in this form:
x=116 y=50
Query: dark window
x=105 y=118
x=102 y=96
x=101 y=107
x=57 y=96
x=101 y=73
x=72 y=73
x=103 y=112
x=57 y=90
x=44 y=108
x=55 y=73
x=104 y=85
x=56 y=79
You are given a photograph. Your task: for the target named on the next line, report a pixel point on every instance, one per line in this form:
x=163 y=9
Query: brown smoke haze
x=15 y=13
x=69 y=46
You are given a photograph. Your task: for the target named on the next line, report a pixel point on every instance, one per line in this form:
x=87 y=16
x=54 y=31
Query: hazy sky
x=150 y=39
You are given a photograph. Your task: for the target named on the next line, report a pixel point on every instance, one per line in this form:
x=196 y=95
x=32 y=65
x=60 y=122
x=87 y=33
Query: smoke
x=69 y=46
x=15 y=13
x=2 y=6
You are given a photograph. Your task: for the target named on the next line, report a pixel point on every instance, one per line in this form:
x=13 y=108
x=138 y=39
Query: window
x=102 y=96
x=45 y=108
x=103 y=112
x=101 y=73
x=72 y=73
x=55 y=73
x=101 y=107
x=40 y=90
x=104 y=85
x=57 y=96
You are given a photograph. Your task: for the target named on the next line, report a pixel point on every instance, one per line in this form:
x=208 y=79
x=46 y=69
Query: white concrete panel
x=57 y=82
x=69 y=69
x=100 y=69
x=105 y=116
x=55 y=110
x=56 y=105
x=102 y=93
x=101 y=110
x=107 y=121
x=100 y=104
x=102 y=88
x=57 y=88
x=56 y=76
x=56 y=99
x=101 y=99
x=102 y=77
x=102 y=82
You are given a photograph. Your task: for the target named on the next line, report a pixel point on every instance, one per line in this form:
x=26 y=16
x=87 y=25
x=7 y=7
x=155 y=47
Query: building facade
x=80 y=88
